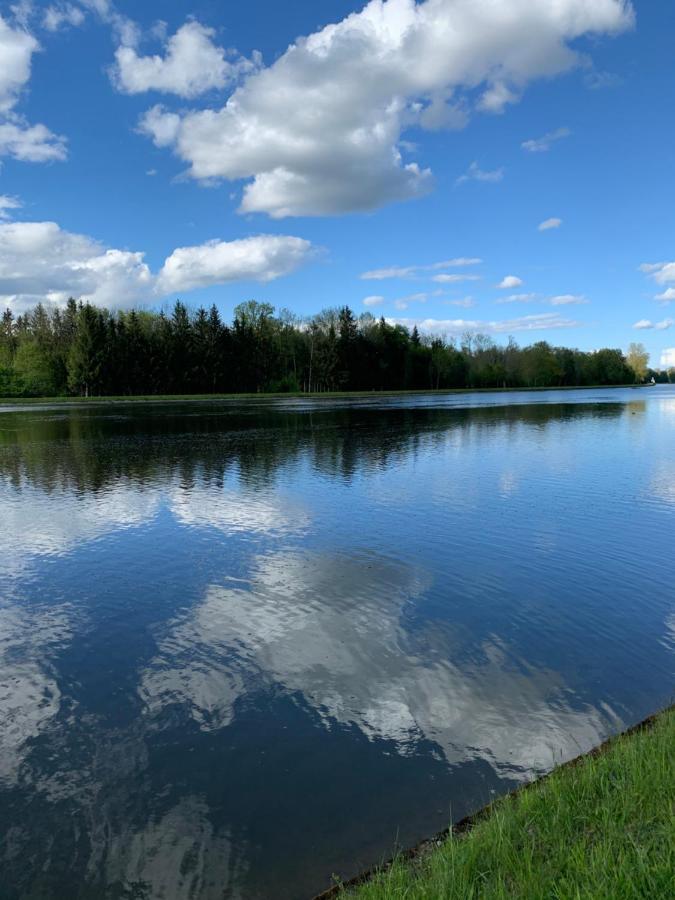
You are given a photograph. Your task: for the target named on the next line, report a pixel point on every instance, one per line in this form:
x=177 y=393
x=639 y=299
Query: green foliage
x=86 y=351
x=601 y=828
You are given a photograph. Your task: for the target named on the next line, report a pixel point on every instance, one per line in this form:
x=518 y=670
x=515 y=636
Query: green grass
x=603 y=827
x=165 y=398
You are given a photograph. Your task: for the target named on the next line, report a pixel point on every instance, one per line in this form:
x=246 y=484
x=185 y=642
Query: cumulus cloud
x=19 y=139
x=265 y=257
x=548 y=224
x=40 y=262
x=668 y=358
x=663 y=273
x=542 y=322
x=411 y=271
x=475 y=173
x=543 y=144
x=192 y=64
x=319 y=131
x=375 y=300
x=509 y=282
x=643 y=324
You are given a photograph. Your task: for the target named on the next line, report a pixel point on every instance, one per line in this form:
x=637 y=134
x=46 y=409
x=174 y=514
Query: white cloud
x=17 y=47
x=662 y=273
x=192 y=64
x=8 y=203
x=263 y=258
x=475 y=173
x=643 y=324
x=517 y=298
x=668 y=358
x=454 y=278
x=126 y=30
x=30 y=143
x=62 y=15
x=548 y=224
x=543 y=144
x=541 y=322
x=510 y=282
x=598 y=81
x=567 y=300
x=319 y=131
x=664 y=324
x=465 y=303
x=375 y=300
x=411 y=271
x=25 y=142
x=39 y=262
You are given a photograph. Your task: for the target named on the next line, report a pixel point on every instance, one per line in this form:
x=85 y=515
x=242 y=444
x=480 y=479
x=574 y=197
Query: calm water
x=246 y=646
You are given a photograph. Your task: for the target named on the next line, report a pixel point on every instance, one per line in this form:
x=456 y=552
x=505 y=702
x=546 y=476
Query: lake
x=245 y=645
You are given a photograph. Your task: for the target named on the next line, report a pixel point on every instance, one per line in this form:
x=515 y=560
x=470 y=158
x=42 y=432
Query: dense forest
x=86 y=351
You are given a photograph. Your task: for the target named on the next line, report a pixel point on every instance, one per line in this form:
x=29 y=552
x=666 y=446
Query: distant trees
x=87 y=351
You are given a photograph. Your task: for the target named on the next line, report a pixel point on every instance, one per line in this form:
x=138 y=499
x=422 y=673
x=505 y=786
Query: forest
x=83 y=350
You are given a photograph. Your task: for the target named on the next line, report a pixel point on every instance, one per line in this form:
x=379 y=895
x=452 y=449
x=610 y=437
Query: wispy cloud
x=374 y=300
x=567 y=300
x=7 y=204
x=543 y=322
x=517 y=298
x=549 y=224
x=663 y=325
x=544 y=143
x=454 y=278
x=475 y=173
x=415 y=271
x=598 y=81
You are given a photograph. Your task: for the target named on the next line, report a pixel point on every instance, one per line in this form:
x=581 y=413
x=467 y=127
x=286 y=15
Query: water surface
x=247 y=645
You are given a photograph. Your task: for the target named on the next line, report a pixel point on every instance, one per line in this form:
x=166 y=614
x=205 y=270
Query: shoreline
x=429 y=847
x=328 y=395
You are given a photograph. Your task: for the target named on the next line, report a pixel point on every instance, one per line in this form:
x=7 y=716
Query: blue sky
x=207 y=151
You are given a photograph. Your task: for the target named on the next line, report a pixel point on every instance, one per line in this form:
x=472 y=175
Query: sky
x=503 y=166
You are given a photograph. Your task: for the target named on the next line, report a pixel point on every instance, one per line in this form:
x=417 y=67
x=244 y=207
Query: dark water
x=246 y=646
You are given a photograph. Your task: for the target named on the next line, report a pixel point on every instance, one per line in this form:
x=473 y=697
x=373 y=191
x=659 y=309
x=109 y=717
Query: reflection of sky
x=330 y=628
x=452 y=590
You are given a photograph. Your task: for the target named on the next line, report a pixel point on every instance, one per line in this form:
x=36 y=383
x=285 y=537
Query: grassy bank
x=327 y=395
x=601 y=827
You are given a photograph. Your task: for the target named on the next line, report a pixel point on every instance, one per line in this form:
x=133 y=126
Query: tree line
x=83 y=350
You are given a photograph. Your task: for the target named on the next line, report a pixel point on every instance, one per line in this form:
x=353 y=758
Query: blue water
x=245 y=646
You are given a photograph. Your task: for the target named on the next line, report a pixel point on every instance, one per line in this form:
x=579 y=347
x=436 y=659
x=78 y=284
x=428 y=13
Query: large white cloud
x=192 y=64
x=40 y=262
x=29 y=143
x=319 y=130
x=261 y=258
